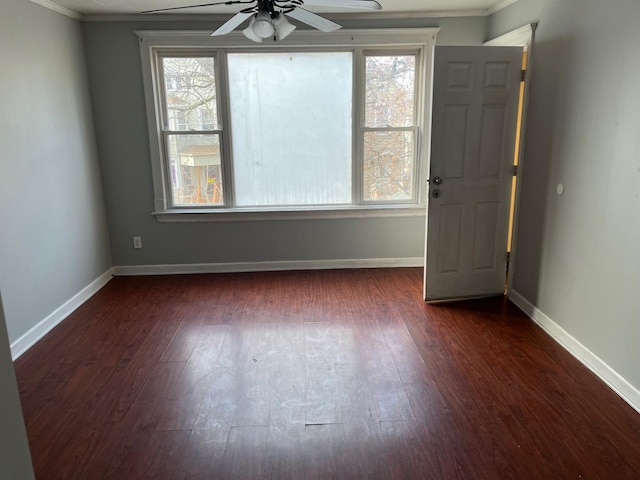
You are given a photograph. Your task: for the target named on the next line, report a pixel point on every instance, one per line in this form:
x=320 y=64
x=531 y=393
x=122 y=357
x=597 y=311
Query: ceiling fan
x=268 y=16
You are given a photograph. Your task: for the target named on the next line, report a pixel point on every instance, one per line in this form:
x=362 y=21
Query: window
x=288 y=128
x=390 y=130
x=291 y=117
x=191 y=146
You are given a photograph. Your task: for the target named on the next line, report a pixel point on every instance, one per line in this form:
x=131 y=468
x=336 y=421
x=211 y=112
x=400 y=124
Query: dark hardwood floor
x=303 y=375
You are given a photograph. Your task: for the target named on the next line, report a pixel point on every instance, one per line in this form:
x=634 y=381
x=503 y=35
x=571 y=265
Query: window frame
x=156 y=44
x=165 y=131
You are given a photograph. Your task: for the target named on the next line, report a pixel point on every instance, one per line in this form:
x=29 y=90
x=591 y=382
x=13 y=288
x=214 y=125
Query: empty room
x=313 y=239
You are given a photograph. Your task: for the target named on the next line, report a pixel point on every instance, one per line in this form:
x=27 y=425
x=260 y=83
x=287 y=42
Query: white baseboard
x=266 y=266
x=608 y=375
x=27 y=340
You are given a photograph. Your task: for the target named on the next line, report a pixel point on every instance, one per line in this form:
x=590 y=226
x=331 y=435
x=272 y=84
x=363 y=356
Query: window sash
x=414 y=128
x=417 y=81
x=161 y=80
x=168 y=174
x=414 y=199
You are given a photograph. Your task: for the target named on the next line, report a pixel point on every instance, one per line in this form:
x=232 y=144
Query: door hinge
x=523 y=75
x=515 y=170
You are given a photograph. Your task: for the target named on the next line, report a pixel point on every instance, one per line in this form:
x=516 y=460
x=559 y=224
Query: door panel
x=484 y=253
x=474 y=112
x=491 y=142
x=455 y=124
x=450 y=234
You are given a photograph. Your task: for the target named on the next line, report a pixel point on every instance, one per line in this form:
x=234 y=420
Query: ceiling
x=128 y=7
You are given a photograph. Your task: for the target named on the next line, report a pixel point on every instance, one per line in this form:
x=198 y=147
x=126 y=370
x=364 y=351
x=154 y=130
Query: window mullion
x=358 y=124
x=422 y=120
x=224 y=113
x=166 y=167
x=163 y=117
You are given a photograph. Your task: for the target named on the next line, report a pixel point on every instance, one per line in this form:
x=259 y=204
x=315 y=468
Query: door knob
x=437 y=180
x=436 y=193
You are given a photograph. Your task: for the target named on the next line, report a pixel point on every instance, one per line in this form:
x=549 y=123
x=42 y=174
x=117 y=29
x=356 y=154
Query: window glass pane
x=390 y=91
x=194 y=169
x=388 y=165
x=291 y=117
x=190 y=93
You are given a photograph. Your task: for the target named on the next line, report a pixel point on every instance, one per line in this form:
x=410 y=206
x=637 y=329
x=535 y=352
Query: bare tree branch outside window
x=389 y=104
x=191 y=105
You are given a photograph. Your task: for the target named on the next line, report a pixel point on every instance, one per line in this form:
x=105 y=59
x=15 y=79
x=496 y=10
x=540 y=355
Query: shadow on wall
x=551 y=60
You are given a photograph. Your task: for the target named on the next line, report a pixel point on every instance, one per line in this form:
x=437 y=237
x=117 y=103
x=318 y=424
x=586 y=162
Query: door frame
x=521 y=37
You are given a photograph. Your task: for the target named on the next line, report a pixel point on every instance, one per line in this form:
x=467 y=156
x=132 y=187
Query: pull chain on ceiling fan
x=268 y=16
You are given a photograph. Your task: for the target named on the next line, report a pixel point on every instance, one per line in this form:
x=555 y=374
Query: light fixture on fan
x=263 y=26
x=283 y=27
x=268 y=16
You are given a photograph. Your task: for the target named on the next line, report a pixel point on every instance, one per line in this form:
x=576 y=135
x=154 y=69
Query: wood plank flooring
x=313 y=375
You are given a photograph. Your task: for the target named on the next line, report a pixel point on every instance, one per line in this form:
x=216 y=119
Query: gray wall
x=113 y=60
x=54 y=238
x=15 y=458
x=577 y=255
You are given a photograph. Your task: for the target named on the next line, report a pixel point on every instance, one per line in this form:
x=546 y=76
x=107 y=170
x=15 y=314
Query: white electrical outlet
x=137 y=242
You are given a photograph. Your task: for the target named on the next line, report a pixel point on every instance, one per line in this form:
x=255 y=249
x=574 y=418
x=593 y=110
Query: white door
x=474 y=112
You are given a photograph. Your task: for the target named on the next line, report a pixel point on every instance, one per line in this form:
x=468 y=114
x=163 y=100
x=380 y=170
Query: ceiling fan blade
x=231 y=24
x=313 y=20
x=228 y=2
x=366 y=4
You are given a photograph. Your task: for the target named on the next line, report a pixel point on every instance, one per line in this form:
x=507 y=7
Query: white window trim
x=422 y=38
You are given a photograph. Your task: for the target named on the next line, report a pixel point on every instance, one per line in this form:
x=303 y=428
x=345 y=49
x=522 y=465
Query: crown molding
x=499 y=5
x=57 y=8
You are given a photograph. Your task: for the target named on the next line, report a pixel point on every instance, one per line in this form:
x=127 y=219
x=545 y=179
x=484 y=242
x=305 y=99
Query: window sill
x=307 y=213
